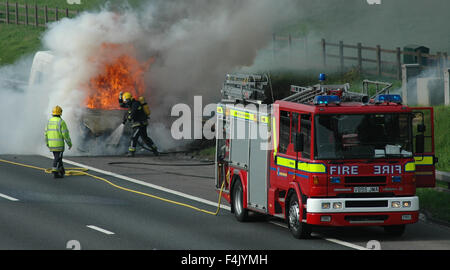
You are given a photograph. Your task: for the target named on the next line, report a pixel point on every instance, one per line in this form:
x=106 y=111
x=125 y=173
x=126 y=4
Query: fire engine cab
x=323 y=156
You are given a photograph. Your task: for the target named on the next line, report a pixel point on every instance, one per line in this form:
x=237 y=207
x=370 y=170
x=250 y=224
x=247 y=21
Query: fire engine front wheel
x=296 y=226
x=240 y=212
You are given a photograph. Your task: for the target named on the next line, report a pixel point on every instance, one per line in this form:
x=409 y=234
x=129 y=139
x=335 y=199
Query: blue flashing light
x=335 y=180
x=318 y=100
x=322 y=77
x=388 y=98
x=396 y=179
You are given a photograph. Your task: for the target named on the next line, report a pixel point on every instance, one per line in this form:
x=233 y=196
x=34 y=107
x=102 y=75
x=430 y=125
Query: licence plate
x=366 y=189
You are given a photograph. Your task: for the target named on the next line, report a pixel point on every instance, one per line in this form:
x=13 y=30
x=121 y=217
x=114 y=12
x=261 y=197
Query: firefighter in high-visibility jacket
x=137 y=114
x=56 y=133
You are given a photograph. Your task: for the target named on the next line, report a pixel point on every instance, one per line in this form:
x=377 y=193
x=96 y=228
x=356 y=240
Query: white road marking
x=8 y=197
x=99 y=229
x=340 y=242
x=129 y=179
x=126 y=178
x=333 y=240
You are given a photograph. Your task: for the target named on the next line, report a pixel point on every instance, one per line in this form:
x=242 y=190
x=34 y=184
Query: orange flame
x=121 y=72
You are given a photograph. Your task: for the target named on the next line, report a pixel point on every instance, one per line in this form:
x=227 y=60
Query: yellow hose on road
x=83 y=171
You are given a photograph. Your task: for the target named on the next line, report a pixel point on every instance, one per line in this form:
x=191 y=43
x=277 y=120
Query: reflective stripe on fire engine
x=243 y=115
x=286 y=162
x=311 y=167
x=301 y=166
x=410 y=167
x=425 y=160
x=290 y=173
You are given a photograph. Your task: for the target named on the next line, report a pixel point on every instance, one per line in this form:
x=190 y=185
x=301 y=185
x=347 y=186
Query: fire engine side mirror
x=421 y=128
x=420 y=143
x=298 y=143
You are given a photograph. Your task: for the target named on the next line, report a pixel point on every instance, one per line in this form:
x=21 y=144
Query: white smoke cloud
x=195 y=43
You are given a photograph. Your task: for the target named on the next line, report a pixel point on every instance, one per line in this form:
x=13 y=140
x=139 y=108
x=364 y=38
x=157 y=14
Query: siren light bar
x=318 y=100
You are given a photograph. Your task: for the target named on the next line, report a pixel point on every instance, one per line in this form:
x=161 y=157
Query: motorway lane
x=422 y=235
x=51 y=212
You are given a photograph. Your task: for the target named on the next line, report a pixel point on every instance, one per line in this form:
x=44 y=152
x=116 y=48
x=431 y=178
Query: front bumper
x=362 y=211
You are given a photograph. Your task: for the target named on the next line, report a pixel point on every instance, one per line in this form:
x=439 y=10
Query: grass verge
x=18 y=40
x=435 y=202
x=441 y=136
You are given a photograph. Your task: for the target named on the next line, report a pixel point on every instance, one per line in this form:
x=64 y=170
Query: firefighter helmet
x=126 y=97
x=57 y=110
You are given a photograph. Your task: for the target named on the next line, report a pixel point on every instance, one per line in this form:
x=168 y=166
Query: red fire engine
x=322 y=156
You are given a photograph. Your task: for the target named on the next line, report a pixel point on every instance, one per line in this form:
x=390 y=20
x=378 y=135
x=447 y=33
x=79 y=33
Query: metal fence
x=384 y=62
x=35 y=15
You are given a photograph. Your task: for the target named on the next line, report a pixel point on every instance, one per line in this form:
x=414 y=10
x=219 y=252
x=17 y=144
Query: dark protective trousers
x=57 y=162
x=141 y=131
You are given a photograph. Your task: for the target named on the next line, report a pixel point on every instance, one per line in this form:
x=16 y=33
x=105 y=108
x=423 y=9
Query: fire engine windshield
x=354 y=136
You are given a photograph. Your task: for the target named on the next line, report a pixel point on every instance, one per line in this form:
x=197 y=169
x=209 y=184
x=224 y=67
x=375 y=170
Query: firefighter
x=56 y=133
x=139 y=118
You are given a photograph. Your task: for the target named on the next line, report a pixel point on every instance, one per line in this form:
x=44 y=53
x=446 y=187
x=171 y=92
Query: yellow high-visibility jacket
x=56 y=133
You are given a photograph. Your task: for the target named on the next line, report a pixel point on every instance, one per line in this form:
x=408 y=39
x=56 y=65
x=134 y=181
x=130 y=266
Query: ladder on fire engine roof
x=377 y=84
x=247 y=88
x=307 y=94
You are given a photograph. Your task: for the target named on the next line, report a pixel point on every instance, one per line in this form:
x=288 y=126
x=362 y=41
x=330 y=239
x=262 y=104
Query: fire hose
x=84 y=171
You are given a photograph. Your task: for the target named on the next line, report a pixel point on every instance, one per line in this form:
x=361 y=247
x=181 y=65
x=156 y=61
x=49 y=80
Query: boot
x=55 y=173
x=130 y=154
x=155 y=150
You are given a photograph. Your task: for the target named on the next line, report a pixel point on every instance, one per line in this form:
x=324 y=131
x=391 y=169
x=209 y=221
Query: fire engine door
x=259 y=163
x=286 y=158
x=423 y=143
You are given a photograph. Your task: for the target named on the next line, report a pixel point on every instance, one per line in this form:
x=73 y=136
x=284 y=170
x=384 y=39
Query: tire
x=396 y=230
x=298 y=229
x=237 y=198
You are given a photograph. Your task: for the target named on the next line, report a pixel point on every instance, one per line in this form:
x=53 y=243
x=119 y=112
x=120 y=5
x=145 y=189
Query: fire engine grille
x=379 y=203
x=365 y=195
x=357 y=180
x=366 y=218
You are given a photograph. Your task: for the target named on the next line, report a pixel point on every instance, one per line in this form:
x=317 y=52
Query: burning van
x=118 y=70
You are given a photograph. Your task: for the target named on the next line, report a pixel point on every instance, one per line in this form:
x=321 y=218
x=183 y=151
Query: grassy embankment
x=19 y=40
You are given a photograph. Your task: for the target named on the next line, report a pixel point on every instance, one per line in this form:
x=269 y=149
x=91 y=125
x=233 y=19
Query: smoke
x=194 y=43
x=200 y=41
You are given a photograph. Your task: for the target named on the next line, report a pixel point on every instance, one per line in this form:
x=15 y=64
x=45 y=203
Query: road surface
x=39 y=212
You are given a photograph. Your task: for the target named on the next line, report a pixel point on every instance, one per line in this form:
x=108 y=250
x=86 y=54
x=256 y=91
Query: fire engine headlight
x=406 y=204
x=326 y=205
x=337 y=205
x=396 y=204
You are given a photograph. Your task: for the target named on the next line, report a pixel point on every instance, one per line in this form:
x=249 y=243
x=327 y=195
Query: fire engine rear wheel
x=298 y=229
x=240 y=212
